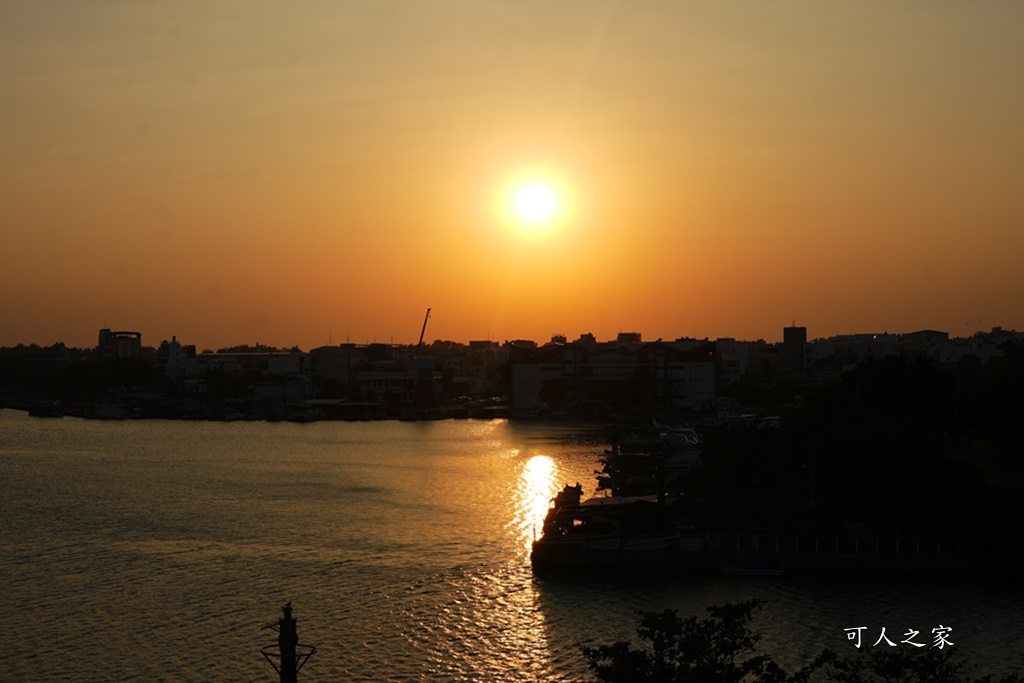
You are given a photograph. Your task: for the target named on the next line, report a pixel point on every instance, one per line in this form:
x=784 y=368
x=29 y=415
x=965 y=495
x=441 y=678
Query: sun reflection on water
x=537 y=486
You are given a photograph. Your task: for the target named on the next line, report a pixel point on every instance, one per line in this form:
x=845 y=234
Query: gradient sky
x=241 y=171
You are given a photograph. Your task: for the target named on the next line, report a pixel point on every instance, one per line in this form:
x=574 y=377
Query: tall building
x=119 y=344
x=176 y=359
x=794 y=348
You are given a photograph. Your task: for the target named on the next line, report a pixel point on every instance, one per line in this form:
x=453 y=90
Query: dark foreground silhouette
x=722 y=649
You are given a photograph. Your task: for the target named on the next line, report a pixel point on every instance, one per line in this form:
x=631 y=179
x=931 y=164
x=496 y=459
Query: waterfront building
x=115 y=345
x=177 y=360
x=626 y=376
x=795 y=355
x=331 y=363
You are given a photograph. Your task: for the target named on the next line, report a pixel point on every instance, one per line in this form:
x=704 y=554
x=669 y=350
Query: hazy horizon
x=232 y=172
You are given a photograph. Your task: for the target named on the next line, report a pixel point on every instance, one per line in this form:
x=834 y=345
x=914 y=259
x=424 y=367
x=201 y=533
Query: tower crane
x=419 y=347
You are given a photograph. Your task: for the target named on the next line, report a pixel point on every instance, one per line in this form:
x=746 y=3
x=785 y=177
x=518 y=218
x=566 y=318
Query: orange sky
x=293 y=173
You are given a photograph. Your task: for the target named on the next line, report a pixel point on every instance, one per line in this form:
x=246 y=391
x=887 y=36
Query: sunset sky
x=294 y=173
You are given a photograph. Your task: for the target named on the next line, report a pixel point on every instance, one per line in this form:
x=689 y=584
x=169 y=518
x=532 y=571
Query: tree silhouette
x=721 y=649
x=928 y=665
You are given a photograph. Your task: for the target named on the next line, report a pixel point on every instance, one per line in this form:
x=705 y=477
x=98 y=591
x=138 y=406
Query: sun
x=535 y=203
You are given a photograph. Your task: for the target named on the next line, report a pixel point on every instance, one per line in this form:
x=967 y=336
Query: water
x=155 y=551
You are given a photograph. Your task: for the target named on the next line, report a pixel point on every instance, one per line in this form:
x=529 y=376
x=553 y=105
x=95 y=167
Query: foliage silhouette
x=721 y=649
x=927 y=665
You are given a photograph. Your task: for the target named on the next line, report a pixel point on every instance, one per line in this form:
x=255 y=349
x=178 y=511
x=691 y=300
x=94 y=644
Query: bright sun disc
x=536 y=203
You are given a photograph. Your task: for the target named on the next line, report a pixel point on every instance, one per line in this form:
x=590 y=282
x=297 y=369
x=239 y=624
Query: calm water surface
x=155 y=551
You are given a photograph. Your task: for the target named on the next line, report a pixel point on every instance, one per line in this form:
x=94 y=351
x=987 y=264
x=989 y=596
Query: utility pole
x=291 y=655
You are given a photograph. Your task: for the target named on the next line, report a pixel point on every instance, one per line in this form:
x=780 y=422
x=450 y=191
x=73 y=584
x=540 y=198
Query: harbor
x=641 y=521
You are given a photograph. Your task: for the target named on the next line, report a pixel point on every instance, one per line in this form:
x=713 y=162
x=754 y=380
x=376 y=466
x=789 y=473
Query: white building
x=177 y=360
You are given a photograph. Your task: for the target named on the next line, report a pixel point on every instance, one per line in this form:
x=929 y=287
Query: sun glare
x=537 y=485
x=535 y=203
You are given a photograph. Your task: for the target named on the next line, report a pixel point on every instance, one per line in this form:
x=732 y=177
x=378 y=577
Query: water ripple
x=404 y=548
